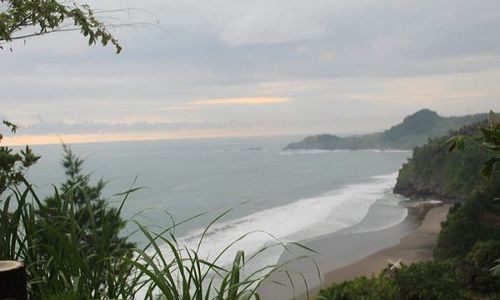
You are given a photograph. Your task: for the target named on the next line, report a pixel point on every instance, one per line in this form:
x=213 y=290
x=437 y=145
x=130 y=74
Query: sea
x=251 y=187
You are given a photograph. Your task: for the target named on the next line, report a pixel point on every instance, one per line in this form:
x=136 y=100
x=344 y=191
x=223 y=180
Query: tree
x=87 y=199
x=78 y=208
x=22 y=19
x=474 y=270
x=489 y=142
x=426 y=280
x=14 y=164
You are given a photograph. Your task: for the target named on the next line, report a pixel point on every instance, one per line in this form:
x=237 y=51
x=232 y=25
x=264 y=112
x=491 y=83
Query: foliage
x=82 y=217
x=474 y=271
x=174 y=271
x=12 y=164
x=477 y=218
x=21 y=19
x=64 y=254
x=456 y=177
x=90 y=208
x=426 y=280
x=489 y=142
x=362 y=288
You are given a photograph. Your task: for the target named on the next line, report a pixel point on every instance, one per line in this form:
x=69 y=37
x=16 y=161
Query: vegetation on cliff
x=475 y=219
x=433 y=171
x=415 y=130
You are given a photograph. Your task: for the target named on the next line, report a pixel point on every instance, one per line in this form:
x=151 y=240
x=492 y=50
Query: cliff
x=433 y=171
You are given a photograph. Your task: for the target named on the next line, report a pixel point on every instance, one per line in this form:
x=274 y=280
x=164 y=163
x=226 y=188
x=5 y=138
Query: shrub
x=362 y=288
x=475 y=271
x=426 y=280
x=468 y=223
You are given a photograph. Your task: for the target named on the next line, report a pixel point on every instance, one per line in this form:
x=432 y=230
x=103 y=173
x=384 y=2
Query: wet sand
x=348 y=254
x=414 y=247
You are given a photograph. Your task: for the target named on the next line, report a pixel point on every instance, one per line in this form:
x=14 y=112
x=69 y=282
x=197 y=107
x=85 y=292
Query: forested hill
x=433 y=171
x=415 y=130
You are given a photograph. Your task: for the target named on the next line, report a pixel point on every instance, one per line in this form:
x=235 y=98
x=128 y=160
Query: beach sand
x=347 y=254
x=414 y=247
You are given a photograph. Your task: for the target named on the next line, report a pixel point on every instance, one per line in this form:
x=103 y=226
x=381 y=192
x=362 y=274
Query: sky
x=216 y=68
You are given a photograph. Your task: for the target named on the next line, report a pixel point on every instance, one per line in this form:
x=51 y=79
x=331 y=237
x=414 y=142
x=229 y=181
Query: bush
x=426 y=280
x=474 y=220
x=475 y=271
x=362 y=288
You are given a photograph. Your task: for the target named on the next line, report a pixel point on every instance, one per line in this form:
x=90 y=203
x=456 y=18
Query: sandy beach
x=345 y=255
x=414 y=247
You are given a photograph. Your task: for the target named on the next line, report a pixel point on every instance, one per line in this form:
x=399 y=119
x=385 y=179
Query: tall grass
x=66 y=260
x=63 y=258
x=173 y=270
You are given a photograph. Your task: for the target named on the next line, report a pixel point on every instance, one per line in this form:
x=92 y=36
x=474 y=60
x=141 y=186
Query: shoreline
x=347 y=254
x=414 y=247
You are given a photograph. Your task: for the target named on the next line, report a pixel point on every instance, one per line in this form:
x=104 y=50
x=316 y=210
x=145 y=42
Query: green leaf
x=493 y=119
x=491 y=135
x=456 y=142
x=487 y=170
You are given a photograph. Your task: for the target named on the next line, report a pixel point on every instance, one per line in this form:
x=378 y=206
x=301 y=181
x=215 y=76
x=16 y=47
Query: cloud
x=59 y=127
x=361 y=58
x=239 y=23
x=240 y=101
x=271 y=22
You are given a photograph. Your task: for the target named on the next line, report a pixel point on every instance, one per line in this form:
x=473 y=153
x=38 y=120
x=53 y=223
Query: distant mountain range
x=415 y=130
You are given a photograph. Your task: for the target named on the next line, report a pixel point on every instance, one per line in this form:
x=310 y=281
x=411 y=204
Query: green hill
x=435 y=172
x=415 y=130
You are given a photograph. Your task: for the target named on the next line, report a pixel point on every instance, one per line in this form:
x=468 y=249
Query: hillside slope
x=415 y=130
x=434 y=172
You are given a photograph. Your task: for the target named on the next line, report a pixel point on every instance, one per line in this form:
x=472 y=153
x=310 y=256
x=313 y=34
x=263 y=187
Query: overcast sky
x=228 y=67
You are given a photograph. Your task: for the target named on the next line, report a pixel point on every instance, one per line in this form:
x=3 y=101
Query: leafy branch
x=13 y=165
x=489 y=142
x=48 y=16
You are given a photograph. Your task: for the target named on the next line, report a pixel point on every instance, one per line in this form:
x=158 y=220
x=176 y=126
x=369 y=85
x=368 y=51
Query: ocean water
x=292 y=196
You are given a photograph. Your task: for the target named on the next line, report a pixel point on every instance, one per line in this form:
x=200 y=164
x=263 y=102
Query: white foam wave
x=397 y=151
x=418 y=203
x=394 y=221
x=312 y=151
x=321 y=151
x=303 y=219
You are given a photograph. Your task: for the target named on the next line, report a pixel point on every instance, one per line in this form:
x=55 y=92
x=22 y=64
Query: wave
x=387 y=212
x=300 y=220
x=312 y=151
x=422 y=202
x=322 y=151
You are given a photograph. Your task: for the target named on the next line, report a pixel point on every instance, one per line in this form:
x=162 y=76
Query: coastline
x=347 y=254
x=415 y=247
